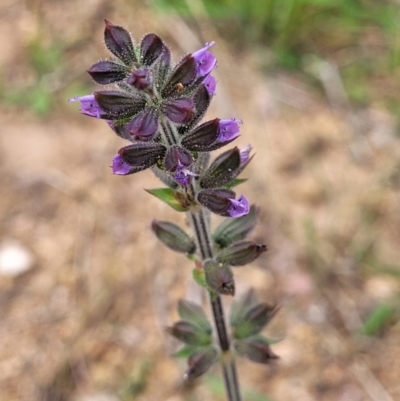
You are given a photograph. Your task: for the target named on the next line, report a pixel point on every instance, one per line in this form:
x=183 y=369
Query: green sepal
x=185 y=352
x=173 y=236
x=171 y=197
x=199 y=277
x=256 y=349
x=235 y=182
x=232 y=230
x=199 y=362
x=240 y=253
x=241 y=305
x=222 y=170
x=253 y=320
x=194 y=313
x=219 y=277
x=190 y=333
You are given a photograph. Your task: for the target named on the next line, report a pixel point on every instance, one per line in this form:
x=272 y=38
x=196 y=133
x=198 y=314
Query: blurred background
x=85 y=289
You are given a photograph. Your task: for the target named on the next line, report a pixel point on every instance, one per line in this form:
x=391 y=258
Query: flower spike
x=158 y=107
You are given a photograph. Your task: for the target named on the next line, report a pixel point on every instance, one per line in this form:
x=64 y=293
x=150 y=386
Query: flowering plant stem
x=200 y=224
x=158 y=107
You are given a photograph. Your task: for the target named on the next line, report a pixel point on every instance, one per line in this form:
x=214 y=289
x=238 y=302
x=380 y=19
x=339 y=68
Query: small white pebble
x=15 y=259
x=97 y=397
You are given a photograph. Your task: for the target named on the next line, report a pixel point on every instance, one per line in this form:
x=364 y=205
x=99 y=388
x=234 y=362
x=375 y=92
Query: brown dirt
x=87 y=321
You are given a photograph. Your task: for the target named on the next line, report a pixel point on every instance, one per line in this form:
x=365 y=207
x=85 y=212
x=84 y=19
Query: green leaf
x=377 y=319
x=170 y=197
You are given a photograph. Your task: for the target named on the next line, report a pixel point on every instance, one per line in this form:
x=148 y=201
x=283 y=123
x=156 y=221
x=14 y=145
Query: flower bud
x=190 y=334
x=232 y=230
x=119 y=42
x=177 y=156
x=151 y=48
x=178 y=110
x=140 y=79
x=194 y=314
x=140 y=155
x=173 y=236
x=219 y=278
x=253 y=320
x=241 y=253
x=107 y=72
x=120 y=129
x=202 y=99
x=216 y=200
x=119 y=104
x=165 y=58
x=222 y=170
x=240 y=307
x=202 y=137
x=256 y=349
x=223 y=202
x=184 y=74
x=199 y=362
x=144 y=125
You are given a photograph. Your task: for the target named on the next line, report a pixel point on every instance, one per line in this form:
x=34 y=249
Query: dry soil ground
x=86 y=321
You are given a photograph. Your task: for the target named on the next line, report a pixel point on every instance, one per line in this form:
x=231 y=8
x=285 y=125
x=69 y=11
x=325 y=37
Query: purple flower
x=179 y=110
x=119 y=167
x=239 y=207
x=210 y=83
x=139 y=79
x=228 y=129
x=205 y=60
x=183 y=175
x=245 y=154
x=144 y=125
x=89 y=105
x=222 y=201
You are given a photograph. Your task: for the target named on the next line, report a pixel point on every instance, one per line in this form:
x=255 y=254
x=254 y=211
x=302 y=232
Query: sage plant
x=158 y=106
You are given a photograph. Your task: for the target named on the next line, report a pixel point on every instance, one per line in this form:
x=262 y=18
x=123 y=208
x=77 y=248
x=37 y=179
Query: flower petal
x=239 y=207
x=205 y=60
x=210 y=83
x=89 y=105
x=119 y=167
x=245 y=154
x=229 y=129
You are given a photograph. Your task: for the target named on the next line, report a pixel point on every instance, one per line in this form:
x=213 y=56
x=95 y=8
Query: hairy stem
x=201 y=229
